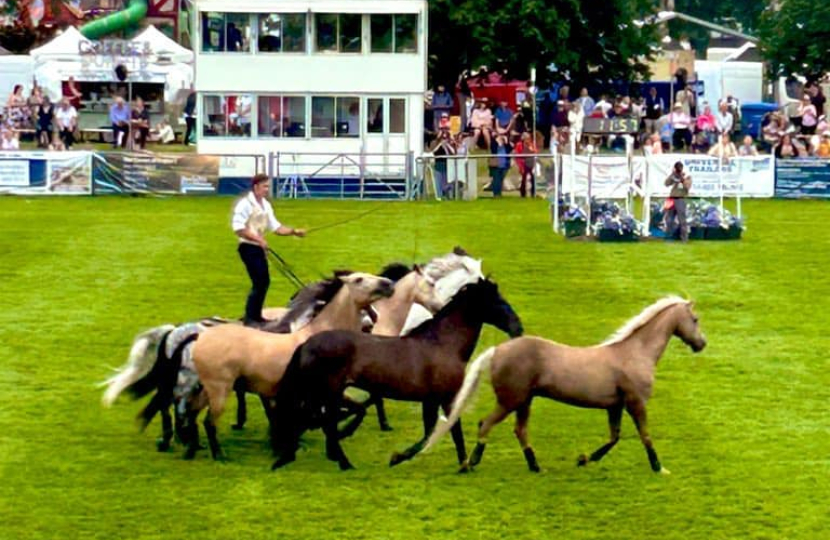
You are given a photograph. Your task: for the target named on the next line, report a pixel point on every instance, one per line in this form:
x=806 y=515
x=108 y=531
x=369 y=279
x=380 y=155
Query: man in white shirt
x=724 y=119
x=252 y=217
x=67 y=119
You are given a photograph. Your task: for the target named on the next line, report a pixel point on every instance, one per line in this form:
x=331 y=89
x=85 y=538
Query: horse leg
x=484 y=428
x=522 y=417
x=637 y=410
x=357 y=412
x=614 y=421
x=217 y=406
x=191 y=428
x=163 y=442
x=457 y=436
x=334 y=451
x=242 y=406
x=429 y=413
x=381 y=410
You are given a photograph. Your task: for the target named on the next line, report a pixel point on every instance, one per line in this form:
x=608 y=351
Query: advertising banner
x=119 y=172
x=802 y=178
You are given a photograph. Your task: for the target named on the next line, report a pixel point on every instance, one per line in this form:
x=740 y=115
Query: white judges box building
x=311 y=77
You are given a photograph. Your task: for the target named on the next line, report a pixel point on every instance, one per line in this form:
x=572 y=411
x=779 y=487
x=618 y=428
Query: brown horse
x=427 y=366
x=615 y=375
x=223 y=354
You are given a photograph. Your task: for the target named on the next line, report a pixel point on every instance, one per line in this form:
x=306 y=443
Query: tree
x=580 y=40
x=743 y=15
x=795 y=36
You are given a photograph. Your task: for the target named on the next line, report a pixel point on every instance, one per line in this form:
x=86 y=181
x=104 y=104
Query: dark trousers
x=497 y=173
x=191 y=129
x=257 y=266
x=676 y=219
x=528 y=178
x=681 y=138
x=68 y=137
x=116 y=129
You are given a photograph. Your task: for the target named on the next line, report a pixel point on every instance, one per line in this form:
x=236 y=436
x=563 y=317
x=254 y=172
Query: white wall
x=743 y=80
x=16 y=69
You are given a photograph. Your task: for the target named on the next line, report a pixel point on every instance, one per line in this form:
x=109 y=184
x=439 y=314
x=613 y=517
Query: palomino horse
x=223 y=354
x=427 y=366
x=615 y=375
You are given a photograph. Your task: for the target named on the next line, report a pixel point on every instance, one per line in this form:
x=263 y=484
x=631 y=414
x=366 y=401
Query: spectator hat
x=826 y=133
x=678 y=105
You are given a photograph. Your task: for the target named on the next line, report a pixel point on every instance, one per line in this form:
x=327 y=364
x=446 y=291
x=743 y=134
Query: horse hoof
x=281 y=462
x=385 y=427
x=664 y=470
x=396 y=459
x=582 y=460
x=220 y=457
x=346 y=466
x=465 y=468
x=162 y=445
x=188 y=456
x=534 y=468
x=238 y=427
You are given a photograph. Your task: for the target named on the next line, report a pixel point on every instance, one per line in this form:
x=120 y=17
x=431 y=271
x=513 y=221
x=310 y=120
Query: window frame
x=338 y=34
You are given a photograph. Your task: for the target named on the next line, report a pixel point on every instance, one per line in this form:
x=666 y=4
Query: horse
x=427 y=365
x=616 y=375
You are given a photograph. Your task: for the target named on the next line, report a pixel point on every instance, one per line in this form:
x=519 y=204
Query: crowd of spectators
x=54 y=126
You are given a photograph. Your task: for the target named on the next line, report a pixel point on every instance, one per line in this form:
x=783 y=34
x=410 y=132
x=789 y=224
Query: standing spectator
x=561 y=126
x=190 y=116
x=441 y=102
x=463 y=95
x=481 y=120
x=564 y=93
x=140 y=122
x=120 y=120
x=681 y=184
x=71 y=91
x=683 y=98
x=602 y=107
x=724 y=120
x=680 y=122
x=16 y=110
x=503 y=116
x=586 y=102
x=526 y=164
x=34 y=101
x=706 y=124
x=576 y=118
x=67 y=119
x=442 y=147
x=45 y=120
x=747 y=148
x=9 y=140
x=817 y=97
x=692 y=99
x=809 y=118
x=666 y=131
x=499 y=163
x=235 y=42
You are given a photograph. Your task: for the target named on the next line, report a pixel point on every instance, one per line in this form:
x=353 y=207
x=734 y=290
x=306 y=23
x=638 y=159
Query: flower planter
x=575 y=228
x=608 y=235
x=697 y=233
x=717 y=233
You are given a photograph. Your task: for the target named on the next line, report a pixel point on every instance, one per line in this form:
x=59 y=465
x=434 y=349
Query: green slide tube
x=135 y=11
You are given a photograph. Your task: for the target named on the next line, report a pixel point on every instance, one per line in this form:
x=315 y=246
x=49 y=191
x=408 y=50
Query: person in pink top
x=680 y=122
x=482 y=123
x=707 y=124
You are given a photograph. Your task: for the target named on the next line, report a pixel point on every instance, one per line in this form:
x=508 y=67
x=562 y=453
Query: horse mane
x=395 y=271
x=451 y=306
x=640 y=320
x=443 y=265
x=309 y=302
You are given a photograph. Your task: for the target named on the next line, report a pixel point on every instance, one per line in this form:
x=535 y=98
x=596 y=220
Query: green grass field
x=742 y=426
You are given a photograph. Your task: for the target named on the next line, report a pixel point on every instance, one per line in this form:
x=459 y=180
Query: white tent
x=163 y=48
x=65 y=46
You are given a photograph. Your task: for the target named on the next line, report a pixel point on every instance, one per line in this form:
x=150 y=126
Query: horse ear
x=340 y=274
x=460 y=251
x=418 y=268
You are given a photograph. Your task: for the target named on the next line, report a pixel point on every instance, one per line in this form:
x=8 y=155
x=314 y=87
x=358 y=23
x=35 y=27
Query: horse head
x=486 y=301
x=688 y=327
x=426 y=293
x=451 y=272
x=367 y=288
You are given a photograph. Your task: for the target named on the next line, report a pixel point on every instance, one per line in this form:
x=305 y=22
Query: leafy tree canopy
x=795 y=39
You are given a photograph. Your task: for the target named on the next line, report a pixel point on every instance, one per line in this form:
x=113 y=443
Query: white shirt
x=66 y=116
x=9 y=144
x=724 y=121
x=254 y=216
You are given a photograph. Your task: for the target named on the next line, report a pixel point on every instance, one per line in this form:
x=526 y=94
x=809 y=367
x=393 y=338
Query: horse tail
x=165 y=382
x=463 y=396
x=144 y=355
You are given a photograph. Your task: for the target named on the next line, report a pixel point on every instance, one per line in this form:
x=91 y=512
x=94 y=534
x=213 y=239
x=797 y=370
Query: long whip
x=286 y=270
x=344 y=221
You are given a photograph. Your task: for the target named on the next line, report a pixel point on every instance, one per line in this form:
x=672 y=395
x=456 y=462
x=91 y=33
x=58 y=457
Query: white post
x=573 y=169
x=647 y=200
x=590 y=206
x=555 y=154
x=720 y=175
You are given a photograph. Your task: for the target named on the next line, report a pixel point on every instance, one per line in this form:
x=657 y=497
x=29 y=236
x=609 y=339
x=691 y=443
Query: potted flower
x=575 y=221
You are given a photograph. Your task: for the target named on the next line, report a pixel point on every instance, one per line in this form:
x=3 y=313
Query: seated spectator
x=162 y=133
x=481 y=120
x=9 y=139
x=680 y=122
x=654 y=145
x=503 y=117
x=140 y=122
x=700 y=143
x=654 y=109
x=789 y=148
x=586 y=102
x=747 y=148
x=120 y=121
x=17 y=112
x=707 y=124
x=57 y=143
x=71 y=92
x=665 y=131
x=66 y=118
x=45 y=122
x=823 y=147
x=809 y=117
x=725 y=148
x=602 y=108
x=772 y=132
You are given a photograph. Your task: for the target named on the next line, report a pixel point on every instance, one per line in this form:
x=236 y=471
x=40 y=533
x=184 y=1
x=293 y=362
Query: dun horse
x=427 y=366
x=616 y=375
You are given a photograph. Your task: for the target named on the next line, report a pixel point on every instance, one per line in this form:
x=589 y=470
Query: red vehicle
x=494 y=89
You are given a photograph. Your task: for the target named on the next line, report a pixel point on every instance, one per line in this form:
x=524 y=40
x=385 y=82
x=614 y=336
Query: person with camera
x=681 y=184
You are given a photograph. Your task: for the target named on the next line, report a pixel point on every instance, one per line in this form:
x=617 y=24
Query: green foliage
x=795 y=38
x=580 y=39
x=742 y=426
x=738 y=14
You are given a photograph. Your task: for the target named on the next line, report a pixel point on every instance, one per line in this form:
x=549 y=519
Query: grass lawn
x=742 y=426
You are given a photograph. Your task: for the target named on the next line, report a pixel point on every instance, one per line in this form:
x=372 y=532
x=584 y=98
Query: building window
x=226 y=32
x=374 y=115
x=338 y=32
x=227 y=115
x=281 y=116
x=335 y=117
x=282 y=32
x=397 y=116
x=394 y=33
